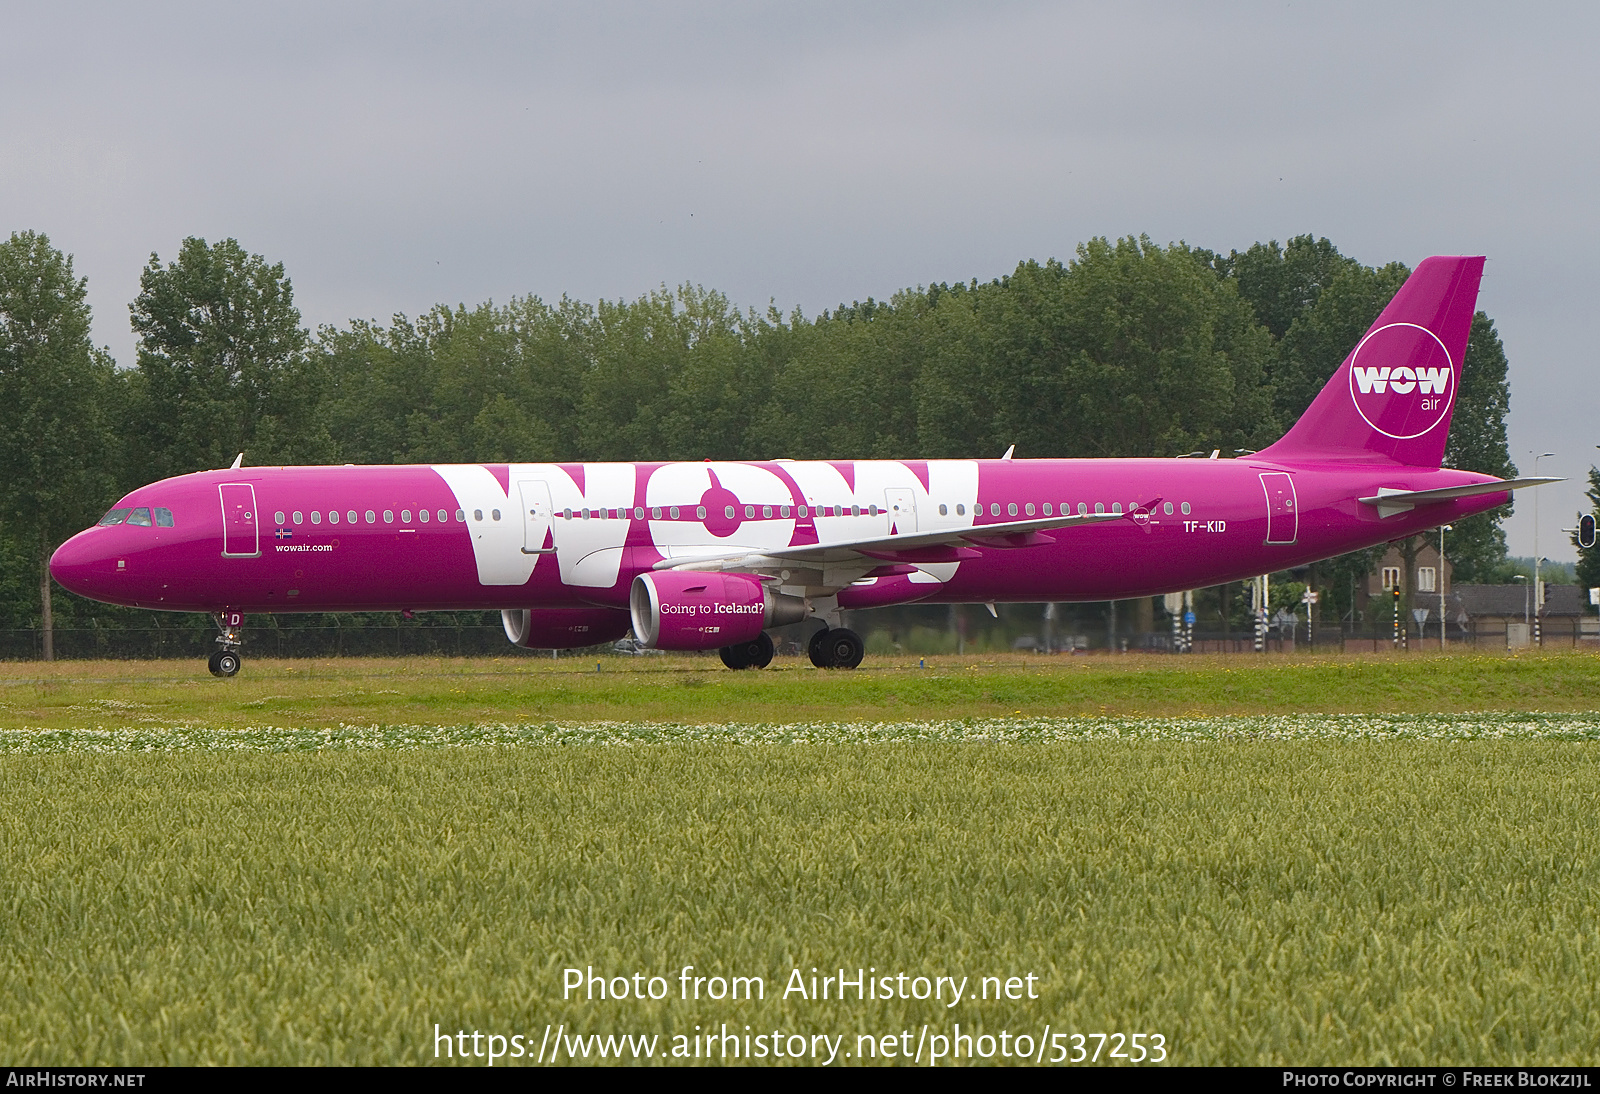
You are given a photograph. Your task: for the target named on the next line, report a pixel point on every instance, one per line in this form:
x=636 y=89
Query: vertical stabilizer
x=1393 y=396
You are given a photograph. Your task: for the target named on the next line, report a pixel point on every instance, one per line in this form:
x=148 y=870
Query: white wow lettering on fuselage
x=1402 y=380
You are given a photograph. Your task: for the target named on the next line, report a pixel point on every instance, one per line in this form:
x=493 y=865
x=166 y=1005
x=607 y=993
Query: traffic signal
x=1586 y=530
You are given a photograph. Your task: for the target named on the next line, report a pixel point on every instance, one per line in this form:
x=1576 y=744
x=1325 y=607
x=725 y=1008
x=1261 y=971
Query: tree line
x=1129 y=348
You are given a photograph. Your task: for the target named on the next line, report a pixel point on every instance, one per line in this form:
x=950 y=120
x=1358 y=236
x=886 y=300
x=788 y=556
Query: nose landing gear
x=225 y=662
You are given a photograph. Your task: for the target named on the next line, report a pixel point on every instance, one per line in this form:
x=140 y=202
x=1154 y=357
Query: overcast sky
x=395 y=156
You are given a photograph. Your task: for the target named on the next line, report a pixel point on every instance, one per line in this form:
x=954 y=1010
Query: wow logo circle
x=1402 y=380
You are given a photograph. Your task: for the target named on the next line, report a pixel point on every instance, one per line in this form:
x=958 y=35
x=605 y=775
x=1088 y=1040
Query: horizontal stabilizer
x=1394 y=502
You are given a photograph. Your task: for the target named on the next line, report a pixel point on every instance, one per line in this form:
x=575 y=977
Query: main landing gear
x=836 y=648
x=225 y=662
x=754 y=654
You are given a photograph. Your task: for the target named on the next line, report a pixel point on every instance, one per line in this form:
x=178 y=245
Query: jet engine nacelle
x=563 y=628
x=675 y=610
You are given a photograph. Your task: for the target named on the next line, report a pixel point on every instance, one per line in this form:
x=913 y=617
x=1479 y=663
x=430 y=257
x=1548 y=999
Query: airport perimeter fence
x=149 y=643
x=479 y=640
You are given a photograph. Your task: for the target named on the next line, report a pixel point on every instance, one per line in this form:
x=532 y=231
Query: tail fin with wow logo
x=1392 y=398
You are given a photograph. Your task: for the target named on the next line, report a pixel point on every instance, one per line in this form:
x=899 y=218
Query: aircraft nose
x=78 y=566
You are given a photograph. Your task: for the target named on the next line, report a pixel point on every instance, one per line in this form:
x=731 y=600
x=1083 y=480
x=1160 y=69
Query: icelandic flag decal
x=284 y=533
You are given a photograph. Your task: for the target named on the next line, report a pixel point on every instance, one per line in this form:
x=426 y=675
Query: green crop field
x=1362 y=860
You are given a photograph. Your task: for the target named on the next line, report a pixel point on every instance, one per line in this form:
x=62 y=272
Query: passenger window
x=673 y=512
x=803 y=512
x=422 y=515
x=1047 y=509
x=299 y=517
x=1099 y=507
x=388 y=516
x=442 y=516
x=1116 y=507
x=1028 y=509
x=372 y=518
x=749 y=512
x=116 y=516
x=461 y=515
x=700 y=512
x=1083 y=509
x=961 y=509
x=766 y=512
x=783 y=510
x=477 y=514
x=495 y=513
x=655 y=512
x=872 y=510
x=1185 y=508
x=277 y=518
x=994 y=509
x=140 y=516
x=351 y=516
x=316 y=517
x=1167 y=508
x=405 y=516
x=1011 y=510
x=333 y=516
x=728 y=512
x=164 y=518
x=944 y=510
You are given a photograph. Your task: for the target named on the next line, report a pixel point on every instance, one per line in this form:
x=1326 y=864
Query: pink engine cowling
x=563 y=628
x=700 y=611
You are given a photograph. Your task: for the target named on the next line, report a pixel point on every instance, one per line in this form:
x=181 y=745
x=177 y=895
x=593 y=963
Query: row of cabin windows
x=145 y=516
x=351 y=516
x=1028 y=509
x=673 y=512
x=142 y=517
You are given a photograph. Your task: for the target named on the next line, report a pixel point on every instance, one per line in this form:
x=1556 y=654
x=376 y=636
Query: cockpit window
x=140 y=516
x=164 y=518
x=116 y=516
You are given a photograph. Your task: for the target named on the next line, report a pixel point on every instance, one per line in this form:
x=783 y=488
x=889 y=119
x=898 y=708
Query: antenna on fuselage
x=1009 y=451
x=237 y=461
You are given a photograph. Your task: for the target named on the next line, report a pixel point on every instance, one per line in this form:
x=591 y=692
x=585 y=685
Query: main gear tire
x=843 y=648
x=817 y=649
x=754 y=654
x=224 y=663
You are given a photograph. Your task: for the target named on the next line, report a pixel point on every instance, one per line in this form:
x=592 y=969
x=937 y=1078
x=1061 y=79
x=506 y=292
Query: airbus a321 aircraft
x=700 y=556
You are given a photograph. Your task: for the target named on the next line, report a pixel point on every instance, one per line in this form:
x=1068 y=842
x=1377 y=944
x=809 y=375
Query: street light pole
x=1443 y=528
x=1538 y=640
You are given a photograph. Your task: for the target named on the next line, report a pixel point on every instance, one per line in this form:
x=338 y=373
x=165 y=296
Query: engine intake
x=685 y=610
x=563 y=628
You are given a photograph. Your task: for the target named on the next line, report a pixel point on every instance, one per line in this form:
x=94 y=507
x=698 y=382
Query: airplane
x=712 y=555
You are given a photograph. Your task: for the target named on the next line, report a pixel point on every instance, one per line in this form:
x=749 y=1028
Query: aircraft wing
x=1394 y=502
x=858 y=557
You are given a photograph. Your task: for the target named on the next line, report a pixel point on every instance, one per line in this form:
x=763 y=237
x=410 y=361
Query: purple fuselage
x=571 y=535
